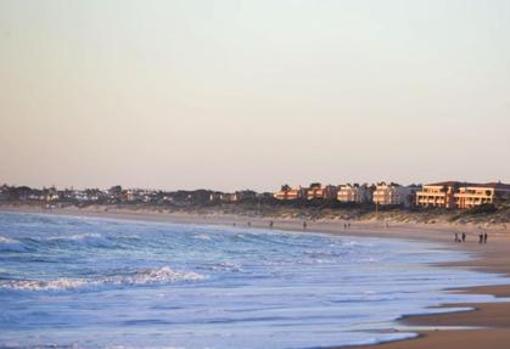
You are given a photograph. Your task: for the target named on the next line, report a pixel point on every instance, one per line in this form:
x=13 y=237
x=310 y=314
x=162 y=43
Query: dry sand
x=491 y=319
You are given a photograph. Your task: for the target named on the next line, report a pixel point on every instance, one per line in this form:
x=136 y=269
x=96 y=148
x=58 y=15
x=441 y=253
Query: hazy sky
x=236 y=94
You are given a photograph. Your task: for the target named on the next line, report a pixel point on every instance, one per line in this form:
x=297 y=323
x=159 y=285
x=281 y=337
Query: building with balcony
x=472 y=195
x=354 y=193
x=461 y=194
x=393 y=194
x=438 y=195
x=288 y=193
x=317 y=191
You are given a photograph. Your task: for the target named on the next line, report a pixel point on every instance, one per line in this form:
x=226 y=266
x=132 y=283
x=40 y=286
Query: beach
x=491 y=319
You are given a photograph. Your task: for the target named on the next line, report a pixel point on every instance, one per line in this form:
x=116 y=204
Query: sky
x=231 y=95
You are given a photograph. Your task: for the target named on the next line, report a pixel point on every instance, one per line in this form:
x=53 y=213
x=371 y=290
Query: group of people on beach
x=482 y=237
x=462 y=238
x=271 y=224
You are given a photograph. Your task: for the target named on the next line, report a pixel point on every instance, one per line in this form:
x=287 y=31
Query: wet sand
x=492 y=320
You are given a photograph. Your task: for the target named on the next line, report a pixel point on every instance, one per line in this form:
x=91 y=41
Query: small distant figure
x=485 y=237
x=480 y=238
x=271 y=224
x=345 y=225
x=387 y=225
x=463 y=237
x=456 y=237
x=304 y=225
x=348 y=225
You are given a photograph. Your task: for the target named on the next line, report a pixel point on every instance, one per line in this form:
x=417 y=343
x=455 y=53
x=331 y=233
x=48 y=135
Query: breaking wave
x=4 y=240
x=76 y=237
x=41 y=285
x=163 y=275
x=154 y=276
x=223 y=266
x=10 y=245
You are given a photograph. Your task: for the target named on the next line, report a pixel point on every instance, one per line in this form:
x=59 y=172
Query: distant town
x=447 y=195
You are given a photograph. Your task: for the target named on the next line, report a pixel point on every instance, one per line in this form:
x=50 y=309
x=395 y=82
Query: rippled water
x=82 y=282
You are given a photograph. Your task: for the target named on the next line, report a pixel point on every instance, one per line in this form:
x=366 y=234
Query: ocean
x=70 y=282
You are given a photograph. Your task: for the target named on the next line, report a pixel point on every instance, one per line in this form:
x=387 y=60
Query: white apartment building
x=394 y=194
x=354 y=193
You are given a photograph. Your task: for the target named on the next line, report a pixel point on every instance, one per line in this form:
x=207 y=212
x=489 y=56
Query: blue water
x=94 y=283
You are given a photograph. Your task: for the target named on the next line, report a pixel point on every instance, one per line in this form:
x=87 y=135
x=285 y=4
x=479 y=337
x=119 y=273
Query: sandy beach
x=492 y=321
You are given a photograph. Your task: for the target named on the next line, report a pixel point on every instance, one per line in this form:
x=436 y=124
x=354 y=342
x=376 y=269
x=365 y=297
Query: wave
x=350 y=243
x=41 y=285
x=21 y=245
x=153 y=276
x=142 y=277
x=92 y=238
x=202 y=237
x=76 y=237
x=6 y=240
x=223 y=266
x=83 y=239
x=10 y=245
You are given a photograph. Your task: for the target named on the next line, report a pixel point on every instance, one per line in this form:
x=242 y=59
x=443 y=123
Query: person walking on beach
x=456 y=237
x=463 y=237
x=485 y=237
x=304 y=225
x=480 y=238
x=271 y=223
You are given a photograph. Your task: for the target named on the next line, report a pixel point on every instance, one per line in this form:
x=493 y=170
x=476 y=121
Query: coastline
x=491 y=319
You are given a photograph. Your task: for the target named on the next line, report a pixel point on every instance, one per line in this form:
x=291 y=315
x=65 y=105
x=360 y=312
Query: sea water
x=99 y=283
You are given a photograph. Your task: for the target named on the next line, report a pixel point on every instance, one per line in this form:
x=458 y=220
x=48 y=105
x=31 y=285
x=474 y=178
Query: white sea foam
x=77 y=237
x=39 y=285
x=6 y=240
x=226 y=266
x=11 y=245
x=353 y=244
x=202 y=237
x=153 y=276
x=142 y=277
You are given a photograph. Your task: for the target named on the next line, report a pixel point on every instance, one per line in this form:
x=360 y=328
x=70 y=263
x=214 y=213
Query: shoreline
x=492 y=320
